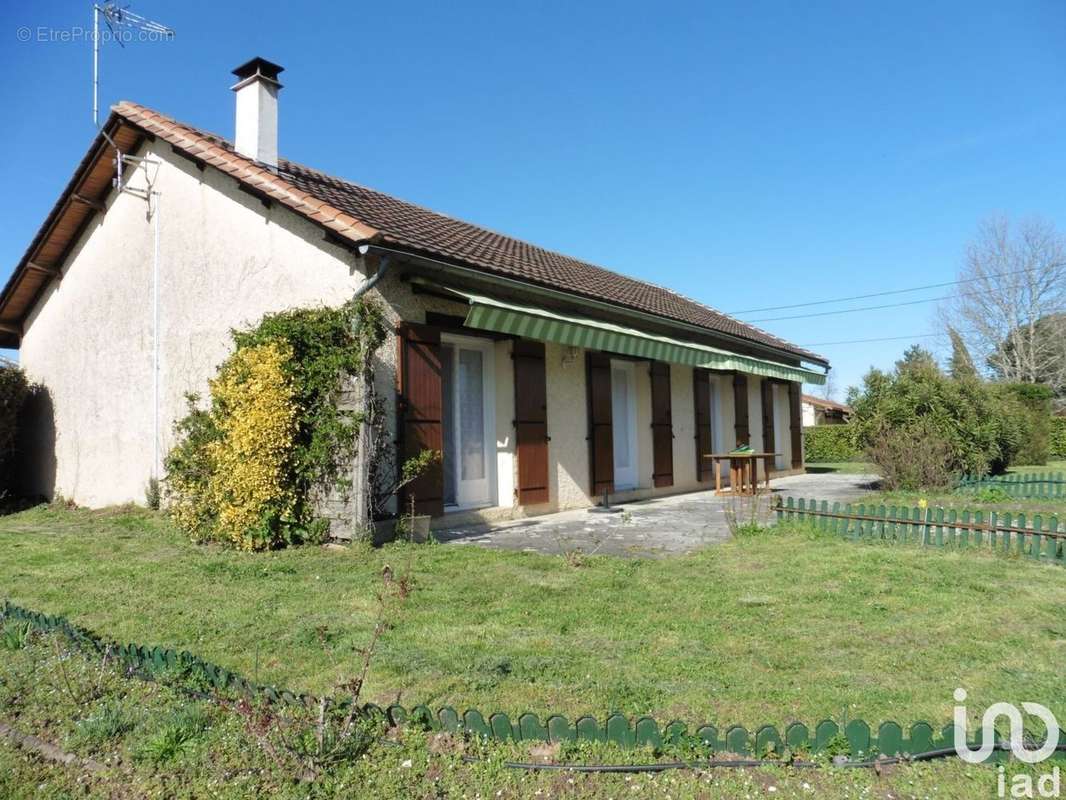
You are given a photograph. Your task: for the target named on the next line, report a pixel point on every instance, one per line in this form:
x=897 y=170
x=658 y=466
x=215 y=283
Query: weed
x=107 y=722
x=745 y=515
x=337 y=731
x=991 y=494
x=15 y=635
x=174 y=736
x=152 y=494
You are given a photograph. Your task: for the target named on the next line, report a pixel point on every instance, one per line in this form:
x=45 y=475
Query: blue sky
x=747 y=154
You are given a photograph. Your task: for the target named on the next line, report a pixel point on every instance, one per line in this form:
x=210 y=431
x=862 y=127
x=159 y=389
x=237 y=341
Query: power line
x=881 y=339
x=881 y=294
x=851 y=310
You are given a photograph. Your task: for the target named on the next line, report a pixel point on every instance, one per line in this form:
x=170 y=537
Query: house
x=544 y=380
x=821 y=411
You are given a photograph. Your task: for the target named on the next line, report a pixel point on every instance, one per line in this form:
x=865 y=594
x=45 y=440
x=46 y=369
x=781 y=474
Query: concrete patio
x=658 y=527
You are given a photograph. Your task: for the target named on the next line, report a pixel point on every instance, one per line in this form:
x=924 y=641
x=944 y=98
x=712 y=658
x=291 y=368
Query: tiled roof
x=415 y=227
x=823 y=403
x=357 y=213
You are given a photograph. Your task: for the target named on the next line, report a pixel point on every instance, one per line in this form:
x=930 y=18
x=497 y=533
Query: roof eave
x=678 y=325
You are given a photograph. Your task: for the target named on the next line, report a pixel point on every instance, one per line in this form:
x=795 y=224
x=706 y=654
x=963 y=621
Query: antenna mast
x=122 y=23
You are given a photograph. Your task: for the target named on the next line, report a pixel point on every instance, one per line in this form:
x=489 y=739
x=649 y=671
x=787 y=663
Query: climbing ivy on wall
x=248 y=468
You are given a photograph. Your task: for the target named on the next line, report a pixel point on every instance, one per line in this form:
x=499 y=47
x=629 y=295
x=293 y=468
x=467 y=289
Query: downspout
x=361 y=520
x=383 y=265
x=155 y=338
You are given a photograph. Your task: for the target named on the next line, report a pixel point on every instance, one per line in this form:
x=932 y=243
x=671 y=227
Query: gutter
x=510 y=283
x=383 y=265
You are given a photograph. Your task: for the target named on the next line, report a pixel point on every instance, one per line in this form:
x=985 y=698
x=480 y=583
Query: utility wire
x=881 y=294
x=882 y=339
x=850 y=310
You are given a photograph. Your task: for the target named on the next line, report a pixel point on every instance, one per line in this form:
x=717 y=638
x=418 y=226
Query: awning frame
x=491 y=314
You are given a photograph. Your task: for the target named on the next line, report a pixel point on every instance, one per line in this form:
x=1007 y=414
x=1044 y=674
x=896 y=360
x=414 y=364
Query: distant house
x=817 y=411
x=543 y=380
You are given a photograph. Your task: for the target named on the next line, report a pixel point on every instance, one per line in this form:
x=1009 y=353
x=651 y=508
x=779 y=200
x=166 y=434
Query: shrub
x=1057 y=437
x=1027 y=409
x=14 y=389
x=966 y=423
x=916 y=456
x=830 y=443
x=188 y=472
x=250 y=486
x=249 y=468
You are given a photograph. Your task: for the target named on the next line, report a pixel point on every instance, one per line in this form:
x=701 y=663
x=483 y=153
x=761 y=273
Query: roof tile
x=358 y=212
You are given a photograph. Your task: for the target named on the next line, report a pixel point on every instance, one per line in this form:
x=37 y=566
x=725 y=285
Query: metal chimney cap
x=258 y=67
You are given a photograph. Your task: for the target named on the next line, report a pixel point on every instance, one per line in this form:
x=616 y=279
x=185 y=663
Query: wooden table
x=743 y=472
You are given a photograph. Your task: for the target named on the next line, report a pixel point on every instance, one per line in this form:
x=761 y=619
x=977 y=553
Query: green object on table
x=741 y=450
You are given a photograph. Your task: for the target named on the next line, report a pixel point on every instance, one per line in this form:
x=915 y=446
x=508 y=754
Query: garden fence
x=855 y=736
x=1035 y=485
x=1037 y=538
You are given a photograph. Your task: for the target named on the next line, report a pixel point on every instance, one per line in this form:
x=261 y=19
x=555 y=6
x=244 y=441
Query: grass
x=986 y=500
x=153 y=741
x=1051 y=466
x=841 y=467
x=766 y=629
x=951 y=499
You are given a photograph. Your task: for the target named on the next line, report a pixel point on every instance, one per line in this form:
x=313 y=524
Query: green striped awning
x=489 y=314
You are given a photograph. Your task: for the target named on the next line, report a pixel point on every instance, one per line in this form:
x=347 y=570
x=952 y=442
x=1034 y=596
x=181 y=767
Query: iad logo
x=1022 y=785
x=988 y=731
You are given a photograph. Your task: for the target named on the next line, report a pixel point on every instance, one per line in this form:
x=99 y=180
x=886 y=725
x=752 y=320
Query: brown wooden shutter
x=740 y=408
x=768 y=439
x=701 y=394
x=419 y=407
x=531 y=422
x=662 y=426
x=601 y=428
x=795 y=413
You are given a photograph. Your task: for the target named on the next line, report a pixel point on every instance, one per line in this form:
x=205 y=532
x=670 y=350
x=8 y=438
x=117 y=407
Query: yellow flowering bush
x=250 y=469
x=257 y=425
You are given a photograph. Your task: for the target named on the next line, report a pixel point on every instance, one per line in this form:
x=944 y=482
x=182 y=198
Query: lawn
x=767 y=629
x=154 y=741
x=842 y=467
x=986 y=501
x=1051 y=466
x=958 y=500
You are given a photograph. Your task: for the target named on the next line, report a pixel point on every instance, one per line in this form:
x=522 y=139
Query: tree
x=829 y=388
x=1012 y=279
x=1049 y=334
x=961 y=365
x=917 y=357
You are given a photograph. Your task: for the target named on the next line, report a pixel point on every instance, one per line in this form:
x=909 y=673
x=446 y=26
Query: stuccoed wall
x=225 y=261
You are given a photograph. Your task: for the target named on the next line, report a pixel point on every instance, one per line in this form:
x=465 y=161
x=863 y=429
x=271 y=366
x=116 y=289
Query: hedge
x=1058 y=437
x=830 y=443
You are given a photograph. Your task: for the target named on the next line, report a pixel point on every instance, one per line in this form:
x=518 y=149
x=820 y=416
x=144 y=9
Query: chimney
x=256 y=134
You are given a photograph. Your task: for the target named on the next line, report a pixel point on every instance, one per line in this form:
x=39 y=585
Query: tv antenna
x=122 y=23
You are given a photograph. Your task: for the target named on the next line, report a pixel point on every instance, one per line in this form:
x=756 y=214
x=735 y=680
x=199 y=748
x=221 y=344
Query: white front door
x=624 y=423
x=468 y=424
x=782 y=427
